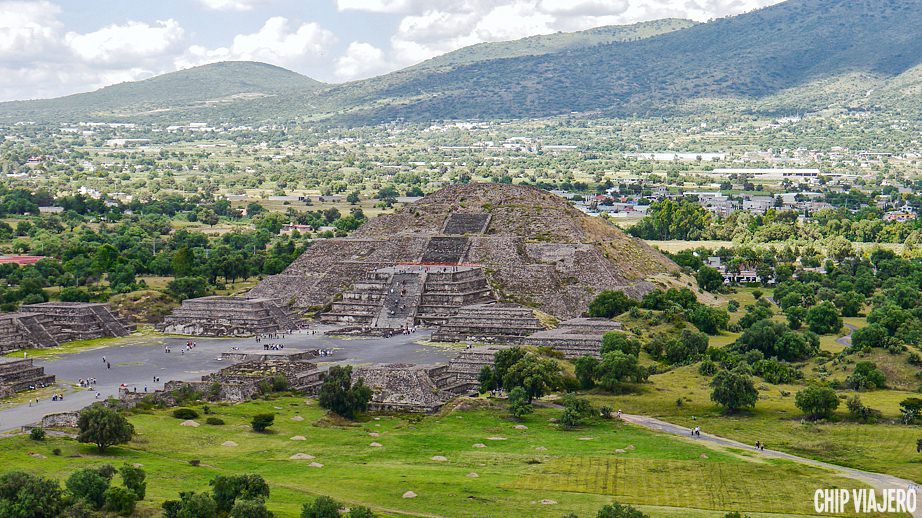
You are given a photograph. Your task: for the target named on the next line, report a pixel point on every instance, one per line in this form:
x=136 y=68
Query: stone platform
x=53 y=323
x=403 y=388
x=500 y=323
x=576 y=337
x=17 y=375
x=229 y=316
x=409 y=295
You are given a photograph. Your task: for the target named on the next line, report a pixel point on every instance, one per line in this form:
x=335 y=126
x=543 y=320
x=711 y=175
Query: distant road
x=876 y=480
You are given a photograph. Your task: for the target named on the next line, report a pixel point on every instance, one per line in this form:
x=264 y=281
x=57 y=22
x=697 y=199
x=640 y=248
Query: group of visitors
x=760 y=445
x=86 y=383
x=696 y=432
x=324 y=352
x=273 y=347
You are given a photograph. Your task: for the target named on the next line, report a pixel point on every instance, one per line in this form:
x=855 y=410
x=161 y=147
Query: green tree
x=120 y=500
x=262 y=422
x=27 y=496
x=709 y=279
x=183 y=262
x=619 y=341
x=619 y=511
x=249 y=509
x=823 y=319
x=88 y=485
x=585 y=371
x=874 y=335
x=103 y=426
x=866 y=376
x=617 y=368
x=322 y=507
x=537 y=375
x=183 y=288
x=134 y=479
x=519 y=406
x=340 y=395
x=228 y=489
x=817 y=402
x=733 y=391
x=610 y=303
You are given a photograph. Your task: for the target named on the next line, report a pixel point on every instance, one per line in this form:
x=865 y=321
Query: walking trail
x=878 y=481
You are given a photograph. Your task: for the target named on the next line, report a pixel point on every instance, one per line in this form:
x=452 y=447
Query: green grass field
x=519 y=471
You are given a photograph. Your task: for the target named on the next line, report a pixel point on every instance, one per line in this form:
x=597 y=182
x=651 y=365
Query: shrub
x=87 y=484
x=322 y=507
x=134 y=479
x=707 y=368
x=341 y=396
x=37 y=434
x=56 y=452
x=861 y=413
x=185 y=413
x=249 y=509
x=217 y=421
x=817 y=402
x=866 y=377
x=733 y=391
x=519 y=406
x=195 y=462
x=619 y=511
x=261 y=422
x=610 y=303
x=121 y=501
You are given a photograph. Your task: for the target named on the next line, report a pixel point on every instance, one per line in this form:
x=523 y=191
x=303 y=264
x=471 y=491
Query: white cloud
x=361 y=60
x=278 y=41
x=375 y=6
x=231 y=5
x=128 y=43
x=27 y=30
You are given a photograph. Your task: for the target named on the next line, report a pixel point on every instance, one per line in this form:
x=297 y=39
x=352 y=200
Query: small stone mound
x=409 y=494
x=301 y=456
x=585 y=438
x=521 y=427
x=547 y=501
x=315 y=465
x=374 y=434
x=480 y=445
x=193 y=424
x=631 y=447
x=496 y=438
x=297 y=418
x=540 y=448
x=439 y=458
x=299 y=438
x=472 y=475
x=37 y=456
x=376 y=445
x=229 y=443
x=704 y=456
x=620 y=451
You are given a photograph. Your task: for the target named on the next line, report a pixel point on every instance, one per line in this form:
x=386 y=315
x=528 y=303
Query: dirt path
x=878 y=481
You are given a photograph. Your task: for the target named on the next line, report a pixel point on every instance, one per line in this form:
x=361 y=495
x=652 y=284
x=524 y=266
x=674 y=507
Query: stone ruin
x=531 y=246
x=399 y=387
x=409 y=295
x=229 y=316
x=17 y=375
x=53 y=323
x=575 y=337
x=489 y=323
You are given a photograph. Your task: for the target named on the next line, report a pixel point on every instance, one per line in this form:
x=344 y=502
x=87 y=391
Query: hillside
x=750 y=56
x=791 y=57
x=220 y=87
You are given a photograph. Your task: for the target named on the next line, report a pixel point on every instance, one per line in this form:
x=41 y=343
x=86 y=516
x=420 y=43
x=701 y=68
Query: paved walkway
x=847 y=339
x=136 y=360
x=878 y=481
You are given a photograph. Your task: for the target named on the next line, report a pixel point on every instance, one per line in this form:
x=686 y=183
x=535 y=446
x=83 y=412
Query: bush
x=87 y=484
x=339 y=395
x=610 y=303
x=707 y=368
x=322 y=507
x=195 y=462
x=134 y=479
x=619 y=511
x=37 y=434
x=733 y=391
x=120 y=501
x=217 y=421
x=575 y=411
x=185 y=413
x=860 y=413
x=103 y=426
x=249 y=509
x=56 y=452
x=519 y=406
x=261 y=422
x=866 y=377
x=817 y=402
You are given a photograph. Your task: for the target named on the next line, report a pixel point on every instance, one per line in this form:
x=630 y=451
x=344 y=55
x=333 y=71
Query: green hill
x=747 y=57
x=791 y=57
x=222 y=88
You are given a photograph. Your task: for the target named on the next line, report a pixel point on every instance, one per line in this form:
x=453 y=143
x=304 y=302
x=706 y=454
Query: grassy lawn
x=516 y=470
x=884 y=448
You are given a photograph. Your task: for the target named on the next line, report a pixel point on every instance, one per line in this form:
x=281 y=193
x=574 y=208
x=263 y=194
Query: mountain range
x=794 y=56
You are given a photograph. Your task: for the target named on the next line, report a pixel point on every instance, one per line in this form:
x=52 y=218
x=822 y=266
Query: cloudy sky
x=50 y=48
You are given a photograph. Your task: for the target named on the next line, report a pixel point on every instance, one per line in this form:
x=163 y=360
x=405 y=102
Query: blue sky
x=50 y=48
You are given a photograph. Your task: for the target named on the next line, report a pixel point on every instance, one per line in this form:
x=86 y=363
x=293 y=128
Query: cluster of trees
x=340 y=395
x=86 y=490
x=675 y=305
x=618 y=367
x=685 y=219
x=516 y=368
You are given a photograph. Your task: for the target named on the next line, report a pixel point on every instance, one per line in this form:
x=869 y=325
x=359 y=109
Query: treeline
x=685 y=219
